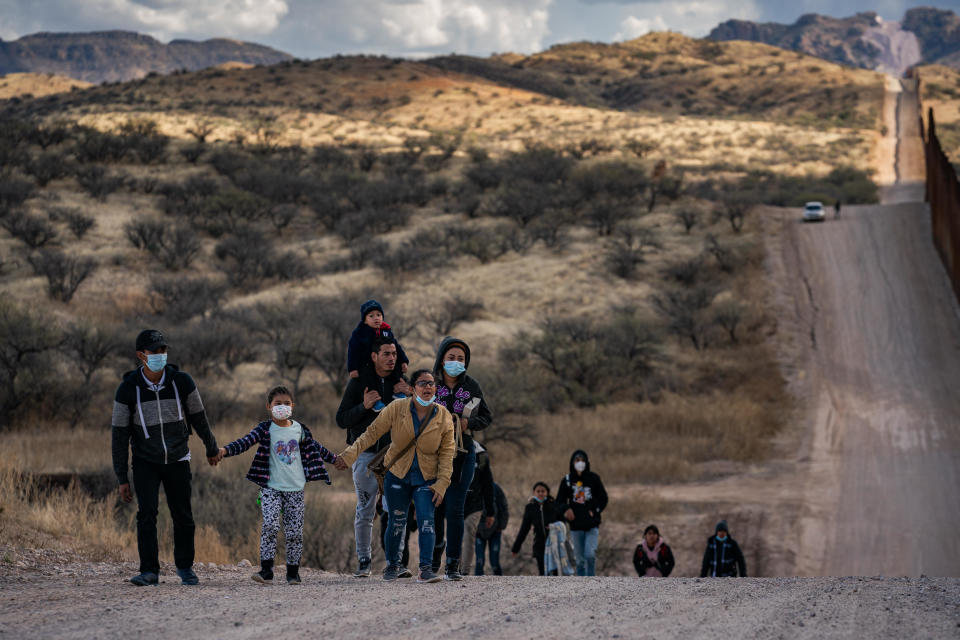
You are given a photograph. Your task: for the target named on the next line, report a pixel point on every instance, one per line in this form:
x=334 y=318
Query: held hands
x=568 y=514
x=403 y=387
x=125 y=494
x=213 y=460
x=370 y=398
x=340 y=464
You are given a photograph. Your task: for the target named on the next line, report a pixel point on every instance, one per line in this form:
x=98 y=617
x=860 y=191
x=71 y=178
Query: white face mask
x=580 y=465
x=281 y=411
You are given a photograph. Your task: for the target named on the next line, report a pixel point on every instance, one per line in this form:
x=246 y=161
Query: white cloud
x=633 y=27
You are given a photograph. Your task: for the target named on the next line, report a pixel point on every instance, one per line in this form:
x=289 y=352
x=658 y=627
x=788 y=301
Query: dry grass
x=940 y=91
x=25 y=85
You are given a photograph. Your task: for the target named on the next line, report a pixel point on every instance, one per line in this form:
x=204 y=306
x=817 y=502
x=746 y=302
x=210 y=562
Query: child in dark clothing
x=538 y=514
x=371 y=327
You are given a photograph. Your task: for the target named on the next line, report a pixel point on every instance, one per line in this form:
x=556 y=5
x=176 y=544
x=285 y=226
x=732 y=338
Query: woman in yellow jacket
x=422 y=473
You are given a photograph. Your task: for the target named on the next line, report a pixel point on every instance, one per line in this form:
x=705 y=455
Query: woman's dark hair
x=276 y=391
x=417 y=374
x=542 y=484
x=653 y=528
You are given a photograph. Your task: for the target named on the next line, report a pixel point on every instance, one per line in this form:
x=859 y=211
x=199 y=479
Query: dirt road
x=881 y=361
x=93 y=601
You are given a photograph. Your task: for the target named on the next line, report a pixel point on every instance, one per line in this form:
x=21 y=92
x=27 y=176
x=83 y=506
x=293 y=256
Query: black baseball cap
x=150 y=340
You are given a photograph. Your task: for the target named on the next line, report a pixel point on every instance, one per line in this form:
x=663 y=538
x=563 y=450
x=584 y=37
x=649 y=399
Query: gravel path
x=93 y=600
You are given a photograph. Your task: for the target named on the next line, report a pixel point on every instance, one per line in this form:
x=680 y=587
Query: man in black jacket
x=154 y=409
x=580 y=499
x=722 y=557
x=364 y=397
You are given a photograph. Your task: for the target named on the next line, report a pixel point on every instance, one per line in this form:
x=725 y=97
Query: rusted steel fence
x=943 y=194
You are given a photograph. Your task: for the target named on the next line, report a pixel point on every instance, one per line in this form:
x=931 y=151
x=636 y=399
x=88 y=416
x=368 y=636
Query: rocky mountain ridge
x=110 y=56
x=865 y=40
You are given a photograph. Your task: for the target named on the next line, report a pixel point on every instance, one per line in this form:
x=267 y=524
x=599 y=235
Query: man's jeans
x=494 y=543
x=452 y=508
x=175 y=478
x=399 y=492
x=365 y=484
x=585 y=546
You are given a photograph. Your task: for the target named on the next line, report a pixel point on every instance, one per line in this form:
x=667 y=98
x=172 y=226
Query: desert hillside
x=590 y=219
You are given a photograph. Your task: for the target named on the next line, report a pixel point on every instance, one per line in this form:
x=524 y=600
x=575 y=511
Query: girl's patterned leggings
x=272 y=503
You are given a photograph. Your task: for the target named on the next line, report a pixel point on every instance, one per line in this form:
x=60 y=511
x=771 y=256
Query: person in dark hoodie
x=363 y=399
x=155 y=407
x=479 y=508
x=581 y=498
x=652 y=557
x=371 y=327
x=722 y=557
x=537 y=515
x=460 y=395
x=489 y=533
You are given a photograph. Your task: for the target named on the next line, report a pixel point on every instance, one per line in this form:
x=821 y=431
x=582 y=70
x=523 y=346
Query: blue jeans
x=585 y=546
x=452 y=510
x=399 y=492
x=494 y=543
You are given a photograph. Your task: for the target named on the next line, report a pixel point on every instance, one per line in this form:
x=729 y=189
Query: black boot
x=453 y=570
x=293 y=574
x=265 y=575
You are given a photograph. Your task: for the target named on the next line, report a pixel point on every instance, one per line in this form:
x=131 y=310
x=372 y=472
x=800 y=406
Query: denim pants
x=451 y=510
x=175 y=478
x=399 y=492
x=494 y=544
x=585 y=546
x=365 y=484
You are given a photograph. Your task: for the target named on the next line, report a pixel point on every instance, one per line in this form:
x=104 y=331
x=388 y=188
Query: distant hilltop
x=123 y=55
x=924 y=36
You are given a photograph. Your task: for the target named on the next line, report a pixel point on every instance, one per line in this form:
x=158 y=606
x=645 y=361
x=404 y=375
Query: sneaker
x=187 y=576
x=452 y=571
x=363 y=569
x=427 y=575
x=391 y=573
x=146 y=578
x=405 y=573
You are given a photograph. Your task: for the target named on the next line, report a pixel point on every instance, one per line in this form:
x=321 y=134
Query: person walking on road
x=363 y=400
x=154 y=409
x=462 y=396
x=722 y=557
x=489 y=533
x=581 y=498
x=538 y=515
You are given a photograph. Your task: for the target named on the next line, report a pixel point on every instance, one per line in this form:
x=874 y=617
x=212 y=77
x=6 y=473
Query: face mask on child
x=579 y=465
x=539 y=499
x=281 y=411
x=156 y=361
x=454 y=368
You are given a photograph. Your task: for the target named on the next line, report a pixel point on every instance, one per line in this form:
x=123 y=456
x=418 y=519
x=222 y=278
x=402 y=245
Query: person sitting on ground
x=581 y=498
x=419 y=461
x=652 y=557
x=722 y=557
x=489 y=533
x=287 y=458
x=371 y=327
x=539 y=513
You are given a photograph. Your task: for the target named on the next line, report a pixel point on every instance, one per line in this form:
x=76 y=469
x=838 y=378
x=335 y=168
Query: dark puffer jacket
x=584 y=494
x=536 y=516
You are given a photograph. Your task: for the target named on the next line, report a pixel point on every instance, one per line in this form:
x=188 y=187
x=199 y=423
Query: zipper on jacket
x=163 y=440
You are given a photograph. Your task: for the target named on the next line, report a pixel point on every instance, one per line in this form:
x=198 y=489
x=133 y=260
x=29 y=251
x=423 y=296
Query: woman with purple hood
x=460 y=395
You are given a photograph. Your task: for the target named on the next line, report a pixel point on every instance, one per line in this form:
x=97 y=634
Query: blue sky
x=415 y=28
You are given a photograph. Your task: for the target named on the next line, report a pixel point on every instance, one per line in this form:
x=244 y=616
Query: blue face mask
x=156 y=362
x=454 y=368
x=425 y=403
x=719 y=539
x=538 y=499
